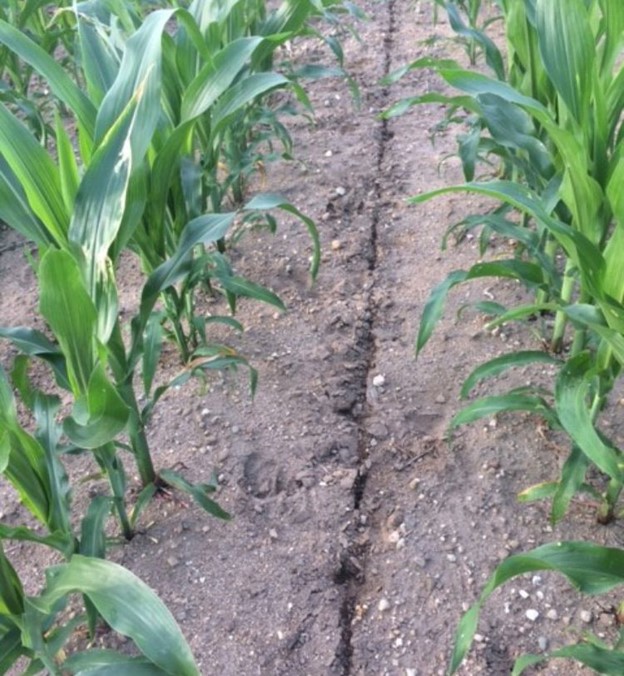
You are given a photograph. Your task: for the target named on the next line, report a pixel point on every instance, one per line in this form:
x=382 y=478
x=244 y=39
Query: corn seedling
x=563 y=171
x=590 y=568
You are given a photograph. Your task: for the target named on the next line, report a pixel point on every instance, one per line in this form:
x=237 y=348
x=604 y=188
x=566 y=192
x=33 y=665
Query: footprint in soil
x=262 y=476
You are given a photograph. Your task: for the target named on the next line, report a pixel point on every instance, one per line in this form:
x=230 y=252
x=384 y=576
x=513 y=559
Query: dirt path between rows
x=360 y=530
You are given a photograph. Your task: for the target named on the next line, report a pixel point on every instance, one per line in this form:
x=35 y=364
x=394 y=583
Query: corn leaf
x=99 y=415
x=568 y=52
x=109 y=663
x=572 y=479
x=68 y=309
x=513 y=401
x=571 y=392
x=58 y=80
x=268 y=201
x=11 y=591
x=127 y=604
x=36 y=173
x=199 y=492
x=15 y=210
x=499 y=365
x=590 y=568
x=602 y=660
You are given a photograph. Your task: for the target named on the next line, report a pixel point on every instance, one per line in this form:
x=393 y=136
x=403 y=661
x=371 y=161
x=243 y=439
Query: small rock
x=542 y=642
x=479 y=638
x=410 y=672
x=552 y=614
x=523 y=594
x=172 y=561
x=532 y=614
x=451 y=558
x=440 y=399
x=340 y=191
x=586 y=616
x=379 y=380
x=420 y=561
x=383 y=605
x=273 y=534
x=336 y=244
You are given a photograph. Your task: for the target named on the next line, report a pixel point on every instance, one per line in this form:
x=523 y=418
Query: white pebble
x=384 y=604
x=532 y=614
x=552 y=614
x=523 y=594
x=379 y=380
x=586 y=616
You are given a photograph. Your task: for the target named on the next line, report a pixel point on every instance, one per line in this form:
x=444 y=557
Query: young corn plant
x=555 y=127
x=566 y=157
x=36 y=628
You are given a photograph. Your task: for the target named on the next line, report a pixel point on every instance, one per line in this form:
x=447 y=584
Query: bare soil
x=361 y=530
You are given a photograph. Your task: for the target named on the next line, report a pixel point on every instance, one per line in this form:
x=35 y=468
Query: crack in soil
x=350 y=573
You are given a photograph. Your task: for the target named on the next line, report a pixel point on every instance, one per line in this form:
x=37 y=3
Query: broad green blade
x=243 y=287
x=602 y=660
x=571 y=392
x=568 y=50
x=489 y=406
x=65 y=304
x=48 y=434
x=572 y=478
x=92 y=534
x=11 y=592
x=140 y=70
x=499 y=365
x=57 y=78
x=204 y=229
x=434 y=307
x=68 y=168
x=15 y=210
x=268 y=201
x=199 y=492
x=109 y=663
x=64 y=542
x=152 y=348
x=36 y=174
x=215 y=77
x=127 y=604
x=100 y=416
x=34 y=343
x=100 y=204
x=590 y=568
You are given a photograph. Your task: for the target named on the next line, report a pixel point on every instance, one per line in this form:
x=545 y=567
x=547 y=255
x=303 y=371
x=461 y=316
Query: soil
x=361 y=528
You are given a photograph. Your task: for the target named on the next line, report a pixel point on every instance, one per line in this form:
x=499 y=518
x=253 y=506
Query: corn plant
x=33 y=628
x=592 y=569
x=564 y=156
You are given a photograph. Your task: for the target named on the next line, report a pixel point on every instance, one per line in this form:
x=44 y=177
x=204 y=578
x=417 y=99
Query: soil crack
x=350 y=573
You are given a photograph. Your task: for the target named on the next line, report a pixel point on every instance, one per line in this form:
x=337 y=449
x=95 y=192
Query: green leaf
x=199 y=492
x=590 y=568
x=109 y=663
x=572 y=477
x=52 y=72
x=568 y=49
x=99 y=416
x=36 y=173
x=11 y=591
x=489 y=406
x=243 y=287
x=216 y=76
x=268 y=201
x=499 y=365
x=127 y=604
x=92 y=533
x=201 y=230
x=571 y=391
x=434 y=307
x=65 y=304
x=152 y=348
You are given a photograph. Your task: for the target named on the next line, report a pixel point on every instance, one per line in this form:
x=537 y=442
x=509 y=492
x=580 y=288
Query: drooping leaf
x=127 y=604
